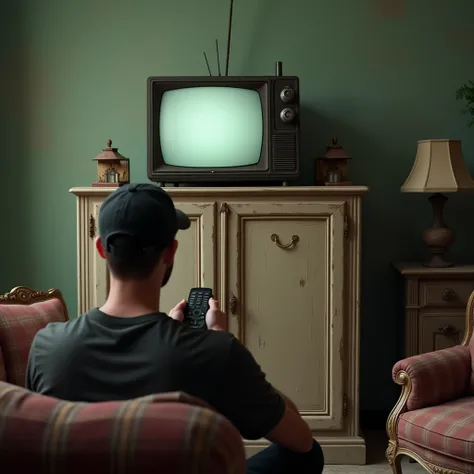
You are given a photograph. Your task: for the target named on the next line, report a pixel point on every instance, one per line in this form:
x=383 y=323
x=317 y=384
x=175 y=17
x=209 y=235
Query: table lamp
x=439 y=168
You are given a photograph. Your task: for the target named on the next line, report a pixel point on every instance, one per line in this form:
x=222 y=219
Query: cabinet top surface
x=416 y=269
x=240 y=191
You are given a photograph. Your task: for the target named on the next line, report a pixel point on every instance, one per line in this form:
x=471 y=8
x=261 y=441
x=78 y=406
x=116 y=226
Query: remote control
x=197 y=307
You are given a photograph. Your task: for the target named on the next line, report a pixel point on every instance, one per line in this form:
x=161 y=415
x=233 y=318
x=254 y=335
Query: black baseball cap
x=142 y=213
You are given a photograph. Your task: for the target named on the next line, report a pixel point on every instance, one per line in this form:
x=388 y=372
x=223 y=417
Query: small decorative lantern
x=113 y=169
x=332 y=169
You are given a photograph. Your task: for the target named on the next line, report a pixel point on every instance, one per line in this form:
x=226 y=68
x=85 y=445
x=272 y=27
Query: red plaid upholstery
x=439 y=459
x=18 y=325
x=3 y=373
x=170 y=433
x=447 y=429
x=437 y=377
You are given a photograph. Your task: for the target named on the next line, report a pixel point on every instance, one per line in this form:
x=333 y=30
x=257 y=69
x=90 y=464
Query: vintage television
x=223 y=129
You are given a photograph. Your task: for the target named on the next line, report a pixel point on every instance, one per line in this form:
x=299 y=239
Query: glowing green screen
x=211 y=127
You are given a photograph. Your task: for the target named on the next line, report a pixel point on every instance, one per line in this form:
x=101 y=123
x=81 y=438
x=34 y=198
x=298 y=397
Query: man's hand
x=215 y=319
x=177 y=313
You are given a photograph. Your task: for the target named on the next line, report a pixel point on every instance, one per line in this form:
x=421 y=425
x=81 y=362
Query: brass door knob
x=449 y=294
x=447 y=329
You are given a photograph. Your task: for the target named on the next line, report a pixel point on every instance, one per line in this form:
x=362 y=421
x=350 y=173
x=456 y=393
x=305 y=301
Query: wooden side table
x=434 y=304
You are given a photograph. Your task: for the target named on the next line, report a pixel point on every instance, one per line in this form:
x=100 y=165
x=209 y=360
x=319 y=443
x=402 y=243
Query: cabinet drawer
x=445 y=293
x=438 y=331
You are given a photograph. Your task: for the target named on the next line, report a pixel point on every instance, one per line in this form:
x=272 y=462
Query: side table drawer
x=438 y=331
x=445 y=293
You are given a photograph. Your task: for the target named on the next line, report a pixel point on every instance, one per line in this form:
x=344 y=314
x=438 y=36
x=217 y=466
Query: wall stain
x=389 y=9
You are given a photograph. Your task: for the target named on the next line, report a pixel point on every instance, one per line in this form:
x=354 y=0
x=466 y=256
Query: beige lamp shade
x=439 y=168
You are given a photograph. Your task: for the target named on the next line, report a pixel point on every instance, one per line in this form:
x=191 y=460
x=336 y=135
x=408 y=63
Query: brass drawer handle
x=294 y=240
x=232 y=304
x=448 y=329
x=449 y=294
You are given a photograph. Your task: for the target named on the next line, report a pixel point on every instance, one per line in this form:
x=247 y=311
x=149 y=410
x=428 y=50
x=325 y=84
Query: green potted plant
x=466 y=93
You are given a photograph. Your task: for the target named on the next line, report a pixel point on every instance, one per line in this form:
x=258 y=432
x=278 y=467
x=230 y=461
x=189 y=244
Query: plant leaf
x=466 y=93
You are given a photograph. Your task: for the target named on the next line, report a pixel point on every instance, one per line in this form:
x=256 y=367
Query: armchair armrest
x=433 y=378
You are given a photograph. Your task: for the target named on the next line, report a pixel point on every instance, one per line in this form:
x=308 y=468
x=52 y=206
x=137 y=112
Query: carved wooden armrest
x=430 y=379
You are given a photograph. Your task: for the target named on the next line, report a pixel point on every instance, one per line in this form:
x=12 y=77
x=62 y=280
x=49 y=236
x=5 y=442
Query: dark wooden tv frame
x=275 y=164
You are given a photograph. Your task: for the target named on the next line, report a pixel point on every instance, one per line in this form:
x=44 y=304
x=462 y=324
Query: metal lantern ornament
x=113 y=169
x=332 y=169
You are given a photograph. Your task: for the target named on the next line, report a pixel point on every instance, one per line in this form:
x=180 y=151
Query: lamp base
x=439 y=237
x=438 y=261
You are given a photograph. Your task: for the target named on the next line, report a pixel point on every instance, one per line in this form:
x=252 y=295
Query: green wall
x=74 y=75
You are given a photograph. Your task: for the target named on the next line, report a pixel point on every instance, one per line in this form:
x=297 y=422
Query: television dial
x=287 y=94
x=287 y=115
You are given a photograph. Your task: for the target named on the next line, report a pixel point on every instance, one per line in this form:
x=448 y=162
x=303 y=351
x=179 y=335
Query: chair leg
x=397 y=465
x=392 y=458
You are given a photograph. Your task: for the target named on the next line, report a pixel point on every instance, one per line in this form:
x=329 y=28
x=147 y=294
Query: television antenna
x=229 y=38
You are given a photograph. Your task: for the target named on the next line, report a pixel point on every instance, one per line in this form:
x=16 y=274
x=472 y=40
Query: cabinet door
x=194 y=262
x=284 y=268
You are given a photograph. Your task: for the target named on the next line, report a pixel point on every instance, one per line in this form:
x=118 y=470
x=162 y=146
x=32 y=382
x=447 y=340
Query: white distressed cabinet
x=284 y=263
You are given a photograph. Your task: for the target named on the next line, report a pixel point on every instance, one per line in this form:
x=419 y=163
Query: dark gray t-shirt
x=97 y=357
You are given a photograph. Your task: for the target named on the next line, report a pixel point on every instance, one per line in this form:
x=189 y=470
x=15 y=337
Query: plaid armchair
x=433 y=420
x=23 y=312
x=172 y=432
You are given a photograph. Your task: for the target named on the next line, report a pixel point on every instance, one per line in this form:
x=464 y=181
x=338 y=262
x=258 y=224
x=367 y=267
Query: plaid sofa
x=433 y=421
x=172 y=433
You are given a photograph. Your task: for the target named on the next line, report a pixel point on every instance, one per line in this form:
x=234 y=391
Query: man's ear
x=99 y=247
x=169 y=253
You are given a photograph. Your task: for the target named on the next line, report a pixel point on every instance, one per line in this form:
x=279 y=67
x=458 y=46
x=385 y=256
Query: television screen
x=211 y=127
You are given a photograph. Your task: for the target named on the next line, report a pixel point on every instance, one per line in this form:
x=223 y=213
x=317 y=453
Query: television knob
x=287 y=94
x=287 y=115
